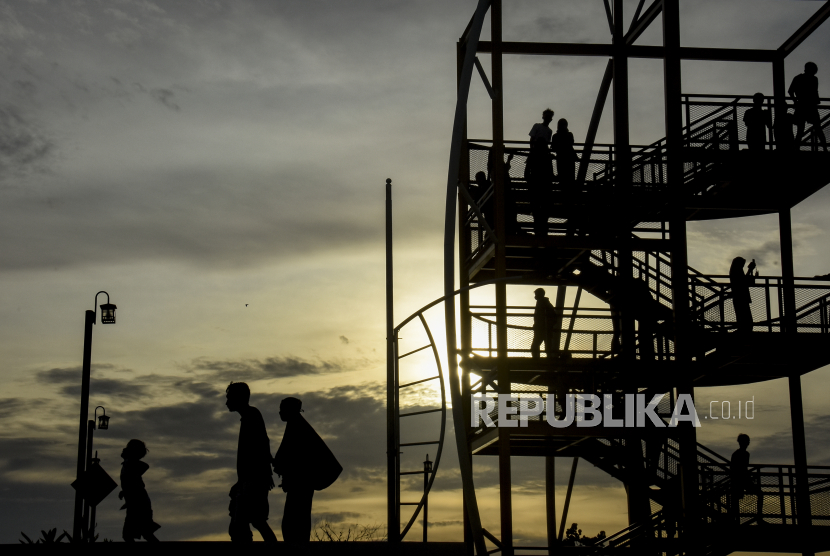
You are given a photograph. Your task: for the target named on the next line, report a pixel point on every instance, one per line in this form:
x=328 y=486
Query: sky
x=218 y=168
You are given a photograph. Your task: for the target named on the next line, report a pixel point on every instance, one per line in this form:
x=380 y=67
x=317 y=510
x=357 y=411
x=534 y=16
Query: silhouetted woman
x=139 y=521
x=741 y=299
x=562 y=143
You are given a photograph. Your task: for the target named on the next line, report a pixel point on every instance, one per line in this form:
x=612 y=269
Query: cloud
x=255 y=369
x=24 y=147
x=344 y=339
x=166 y=97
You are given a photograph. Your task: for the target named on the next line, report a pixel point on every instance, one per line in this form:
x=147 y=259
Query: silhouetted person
x=784 y=131
x=482 y=187
x=741 y=298
x=742 y=481
x=139 y=520
x=757 y=120
x=539 y=172
x=804 y=89
x=562 y=143
x=545 y=325
x=305 y=464
x=249 y=496
x=646 y=315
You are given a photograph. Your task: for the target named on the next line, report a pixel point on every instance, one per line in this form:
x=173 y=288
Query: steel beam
x=639 y=25
x=634 y=51
x=805 y=30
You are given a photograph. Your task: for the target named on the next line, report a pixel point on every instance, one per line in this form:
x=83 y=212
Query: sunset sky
x=218 y=167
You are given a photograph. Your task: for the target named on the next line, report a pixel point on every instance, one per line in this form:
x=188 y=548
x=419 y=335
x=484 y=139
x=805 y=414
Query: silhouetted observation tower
x=605 y=237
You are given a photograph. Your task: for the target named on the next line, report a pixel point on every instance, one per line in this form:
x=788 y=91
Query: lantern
x=108 y=313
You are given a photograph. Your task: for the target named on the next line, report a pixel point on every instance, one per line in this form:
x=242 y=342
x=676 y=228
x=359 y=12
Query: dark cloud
x=344 y=339
x=166 y=97
x=24 y=147
x=272 y=367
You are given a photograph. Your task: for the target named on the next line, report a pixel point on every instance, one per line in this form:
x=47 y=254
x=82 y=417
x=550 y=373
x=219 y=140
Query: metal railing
x=712 y=308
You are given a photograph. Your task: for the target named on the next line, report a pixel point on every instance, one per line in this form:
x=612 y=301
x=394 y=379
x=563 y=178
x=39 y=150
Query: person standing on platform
x=539 y=172
x=562 y=143
x=546 y=322
x=249 y=496
x=757 y=120
x=804 y=89
x=741 y=298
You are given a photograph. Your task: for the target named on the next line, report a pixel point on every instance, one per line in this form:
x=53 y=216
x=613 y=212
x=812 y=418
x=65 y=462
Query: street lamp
x=84 y=451
x=103 y=420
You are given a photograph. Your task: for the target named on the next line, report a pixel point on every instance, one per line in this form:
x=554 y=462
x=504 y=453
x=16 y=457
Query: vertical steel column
x=550 y=500
x=802 y=493
x=679 y=258
x=505 y=482
x=392 y=507
x=89 y=321
x=623 y=173
x=464 y=296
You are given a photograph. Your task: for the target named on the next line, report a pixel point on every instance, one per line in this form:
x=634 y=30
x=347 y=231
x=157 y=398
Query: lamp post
x=103 y=424
x=107 y=317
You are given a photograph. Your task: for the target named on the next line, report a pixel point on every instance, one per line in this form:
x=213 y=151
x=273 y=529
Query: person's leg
x=536 y=344
x=266 y=531
x=304 y=515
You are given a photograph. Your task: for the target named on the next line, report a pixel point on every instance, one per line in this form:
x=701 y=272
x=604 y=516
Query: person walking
x=249 y=496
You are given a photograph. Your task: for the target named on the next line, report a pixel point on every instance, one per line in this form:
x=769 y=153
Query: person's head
x=737 y=265
x=481 y=178
x=562 y=124
x=135 y=449
x=743 y=440
x=289 y=408
x=758 y=99
x=539 y=293
x=810 y=68
x=238 y=395
x=547 y=115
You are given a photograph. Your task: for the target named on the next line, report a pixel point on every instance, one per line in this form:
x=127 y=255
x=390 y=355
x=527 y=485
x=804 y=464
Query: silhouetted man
x=742 y=482
x=249 y=496
x=539 y=172
x=804 y=89
x=305 y=464
x=545 y=325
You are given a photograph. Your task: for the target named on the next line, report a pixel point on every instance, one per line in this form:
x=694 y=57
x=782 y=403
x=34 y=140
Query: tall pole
x=89 y=320
x=393 y=523
x=90 y=428
x=550 y=499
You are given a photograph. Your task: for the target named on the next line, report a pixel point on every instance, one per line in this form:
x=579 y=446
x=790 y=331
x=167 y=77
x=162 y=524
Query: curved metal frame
x=440 y=378
x=420 y=315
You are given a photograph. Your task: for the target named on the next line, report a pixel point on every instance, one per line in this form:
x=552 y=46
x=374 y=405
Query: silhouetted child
x=249 y=496
x=742 y=482
x=305 y=464
x=562 y=143
x=757 y=120
x=139 y=521
x=804 y=89
x=741 y=298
